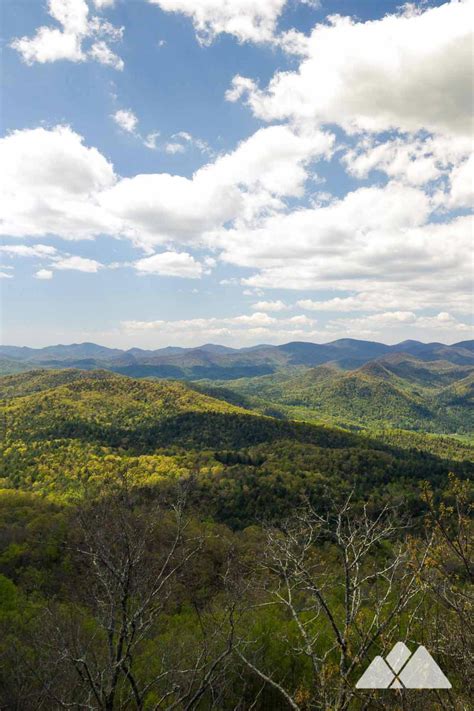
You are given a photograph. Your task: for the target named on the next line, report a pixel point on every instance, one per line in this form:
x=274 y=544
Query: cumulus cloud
x=252 y=179
x=391 y=326
x=49 y=184
x=270 y=306
x=126 y=120
x=246 y=20
x=422 y=294
x=413 y=159
x=257 y=319
x=274 y=159
x=78 y=264
x=238 y=330
x=378 y=75
x=403 y=324
x=462 y=184
x=174 y=264
x=377 y=243
x=57 y=260
x=53 y=183
x=51 y=44
x=364 y=226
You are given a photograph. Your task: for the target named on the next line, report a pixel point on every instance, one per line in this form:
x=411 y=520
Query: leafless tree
x=448 y=578
x=345 y=580
x=130 y=565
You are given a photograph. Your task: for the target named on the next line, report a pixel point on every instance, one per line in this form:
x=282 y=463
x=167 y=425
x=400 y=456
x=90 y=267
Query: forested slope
x=395 y=391
x=67 y=429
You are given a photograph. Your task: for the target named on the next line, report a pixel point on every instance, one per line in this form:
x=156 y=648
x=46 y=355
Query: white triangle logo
x=402 y=670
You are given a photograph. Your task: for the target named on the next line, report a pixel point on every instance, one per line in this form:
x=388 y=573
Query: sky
x=176 y=172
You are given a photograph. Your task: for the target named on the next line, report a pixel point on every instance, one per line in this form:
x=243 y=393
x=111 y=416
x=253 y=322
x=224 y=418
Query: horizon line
x=221 y=345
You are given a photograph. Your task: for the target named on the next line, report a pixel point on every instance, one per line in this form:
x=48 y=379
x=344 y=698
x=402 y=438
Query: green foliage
x=71 y=432
x=396 y=391
x=82 y=443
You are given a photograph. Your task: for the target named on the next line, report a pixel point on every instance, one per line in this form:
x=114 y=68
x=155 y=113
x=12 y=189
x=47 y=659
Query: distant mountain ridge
x=218 y=362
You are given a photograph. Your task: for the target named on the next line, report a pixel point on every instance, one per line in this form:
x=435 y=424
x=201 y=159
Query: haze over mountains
x=220 y=362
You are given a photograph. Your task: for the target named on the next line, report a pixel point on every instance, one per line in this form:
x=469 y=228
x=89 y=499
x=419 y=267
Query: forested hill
x=393 y=391
x=109 y=483
x=69 y=430
x=118 y=411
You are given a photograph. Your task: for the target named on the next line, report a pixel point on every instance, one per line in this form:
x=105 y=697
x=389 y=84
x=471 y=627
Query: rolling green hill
x=54 y=402
x=397 y=390
x=8 y=366
x=68 y=430
x=120 y=411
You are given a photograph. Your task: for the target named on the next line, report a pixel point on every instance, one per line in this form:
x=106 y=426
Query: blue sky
x=180 y=171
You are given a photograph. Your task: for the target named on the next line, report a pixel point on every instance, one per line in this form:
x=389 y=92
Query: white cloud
x=101 y=4
x=150 y=140
x=174 y=148
x=154 y=208
x=5 y=275
x=240 y=86
x=274 y=159
x=270 y=306
x=350 y=236
x=184 y=140
x=75 y=263
x=175 y=264
x=101 y=52
x=179 y=143
x=420 y=294
x=236 y=330
x=44 y=274
x=23 y=250
x=126 y=120
x=49 y=185
x=246 y=20
x=184 y=135
x=415 y=160
x=377 y=242
x=57 y=260
x=409 y=71
x=462 y=184
x=443 y=322
x=257 y=319
x=53 y=184
x=250 y=180
x=301 y=320
x=399 y=325
x=389 y=326
x=51 y=44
